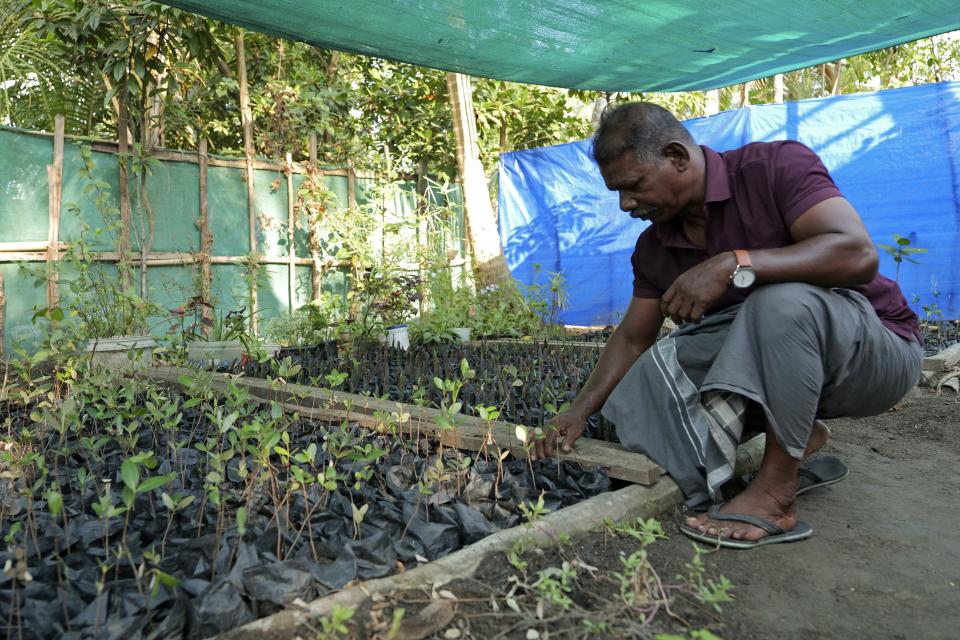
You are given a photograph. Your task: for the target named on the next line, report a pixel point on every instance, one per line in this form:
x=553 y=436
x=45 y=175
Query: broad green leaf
x=129 y=473
x=155 y=482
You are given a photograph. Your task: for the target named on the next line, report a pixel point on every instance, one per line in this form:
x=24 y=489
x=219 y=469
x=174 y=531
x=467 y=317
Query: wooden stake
x=206 y=244
x=246 y=117
x=55 y=191
x=291 y=225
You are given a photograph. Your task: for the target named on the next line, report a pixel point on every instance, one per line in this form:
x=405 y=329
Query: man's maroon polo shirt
x=753 y=195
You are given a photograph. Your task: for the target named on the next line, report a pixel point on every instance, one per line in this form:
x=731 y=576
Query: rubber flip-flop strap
x=809 y=475
x=756 y=521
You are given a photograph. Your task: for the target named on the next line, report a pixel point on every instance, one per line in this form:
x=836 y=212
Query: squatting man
x=783 y=320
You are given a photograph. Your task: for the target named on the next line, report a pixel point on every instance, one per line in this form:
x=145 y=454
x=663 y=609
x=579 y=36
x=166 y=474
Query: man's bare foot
x=772 y=501
x=818 y=437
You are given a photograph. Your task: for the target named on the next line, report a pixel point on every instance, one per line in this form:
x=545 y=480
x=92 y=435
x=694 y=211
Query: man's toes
x=696 y=522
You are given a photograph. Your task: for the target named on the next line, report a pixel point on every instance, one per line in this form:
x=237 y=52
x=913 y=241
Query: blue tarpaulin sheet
x=894 y=155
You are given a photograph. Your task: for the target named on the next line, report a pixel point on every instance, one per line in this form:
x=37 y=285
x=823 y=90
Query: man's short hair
x=642 y=127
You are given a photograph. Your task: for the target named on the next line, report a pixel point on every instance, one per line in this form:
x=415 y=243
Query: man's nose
x=627 y=202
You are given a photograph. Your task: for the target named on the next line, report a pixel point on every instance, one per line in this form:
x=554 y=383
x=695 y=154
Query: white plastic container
x=398 y=336
x=123 y=352
x=463 y=333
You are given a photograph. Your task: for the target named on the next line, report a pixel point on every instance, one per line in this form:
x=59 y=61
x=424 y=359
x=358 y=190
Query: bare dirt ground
x=883 y=562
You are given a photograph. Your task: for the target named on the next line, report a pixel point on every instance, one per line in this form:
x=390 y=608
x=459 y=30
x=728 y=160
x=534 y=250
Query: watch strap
x=743 y=258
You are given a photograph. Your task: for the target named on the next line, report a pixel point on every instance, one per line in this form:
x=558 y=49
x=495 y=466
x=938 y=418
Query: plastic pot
x=462 y=333
x=122 y=352
x=214 y=354
x=398 y=336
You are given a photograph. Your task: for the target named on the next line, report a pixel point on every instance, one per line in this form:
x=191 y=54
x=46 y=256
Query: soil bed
x=881 y=563
x=527 y=382
x=134 y=509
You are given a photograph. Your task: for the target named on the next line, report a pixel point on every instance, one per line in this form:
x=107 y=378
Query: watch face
x=744 y=278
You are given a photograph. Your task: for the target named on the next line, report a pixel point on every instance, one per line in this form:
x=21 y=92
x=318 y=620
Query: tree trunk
x=712 y=102
x=778 y=88
x=481 y=225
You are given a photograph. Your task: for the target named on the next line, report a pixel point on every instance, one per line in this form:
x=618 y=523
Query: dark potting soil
x=156 y=573
x=520 y=379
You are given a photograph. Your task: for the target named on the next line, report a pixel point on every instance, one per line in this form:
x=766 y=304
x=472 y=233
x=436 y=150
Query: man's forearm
x=618 y=356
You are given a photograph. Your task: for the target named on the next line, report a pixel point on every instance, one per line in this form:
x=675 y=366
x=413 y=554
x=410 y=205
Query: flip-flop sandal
x=801 y=531
x=821 y=472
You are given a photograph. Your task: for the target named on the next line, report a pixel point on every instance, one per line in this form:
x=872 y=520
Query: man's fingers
x=570 y=439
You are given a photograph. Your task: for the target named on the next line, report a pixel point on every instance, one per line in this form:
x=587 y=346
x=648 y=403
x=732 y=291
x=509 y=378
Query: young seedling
x=173 y=505
x=901 y=251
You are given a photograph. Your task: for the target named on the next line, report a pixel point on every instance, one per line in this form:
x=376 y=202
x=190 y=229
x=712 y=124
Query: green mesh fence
x=173 y=192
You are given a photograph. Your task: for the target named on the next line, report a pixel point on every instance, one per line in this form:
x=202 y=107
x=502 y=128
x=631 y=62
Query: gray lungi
x=799 y=351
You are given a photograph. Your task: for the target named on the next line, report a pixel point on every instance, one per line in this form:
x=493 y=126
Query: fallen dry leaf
x=435 y=616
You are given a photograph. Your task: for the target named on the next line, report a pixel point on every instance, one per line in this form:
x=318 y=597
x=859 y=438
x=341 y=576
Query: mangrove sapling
x=133 y=487
x=489 y=415
x=19 y=573
x=528 y=439
x=178 y=502
x=358 y=515
x=106 y=510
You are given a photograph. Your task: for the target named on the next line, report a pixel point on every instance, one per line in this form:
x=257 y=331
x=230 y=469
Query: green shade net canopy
x=608 y=45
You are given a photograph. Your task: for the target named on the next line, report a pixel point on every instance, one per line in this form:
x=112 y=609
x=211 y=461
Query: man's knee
x=788 y=302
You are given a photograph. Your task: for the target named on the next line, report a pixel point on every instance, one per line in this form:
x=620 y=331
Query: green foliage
x=311 y=324
x=334 y=626
x=103 y=302
x=901 y=251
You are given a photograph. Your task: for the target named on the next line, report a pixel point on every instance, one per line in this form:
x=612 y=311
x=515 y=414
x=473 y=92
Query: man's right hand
x=568 y=425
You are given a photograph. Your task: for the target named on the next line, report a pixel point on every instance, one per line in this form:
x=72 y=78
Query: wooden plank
x=246 y=117
x=206 y=243
x=291 y=250
x=943 y=361
x=471 y=432
x=55 y=193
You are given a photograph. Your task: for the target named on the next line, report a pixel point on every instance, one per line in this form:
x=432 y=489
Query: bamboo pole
x=176 y=155
x=41 y=245
x=246 y=116
x=159 y=259
x=291 y=250
x=3 y=314
x=123 y=150
x=55 y=190
x=206 y=244
x=351 y=184
x=316 y=273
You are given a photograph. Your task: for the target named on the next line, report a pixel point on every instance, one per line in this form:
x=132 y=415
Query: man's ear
x=677 y=153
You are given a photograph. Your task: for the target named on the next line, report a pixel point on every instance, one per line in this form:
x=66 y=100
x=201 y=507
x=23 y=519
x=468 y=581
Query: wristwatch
x=743 y=276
